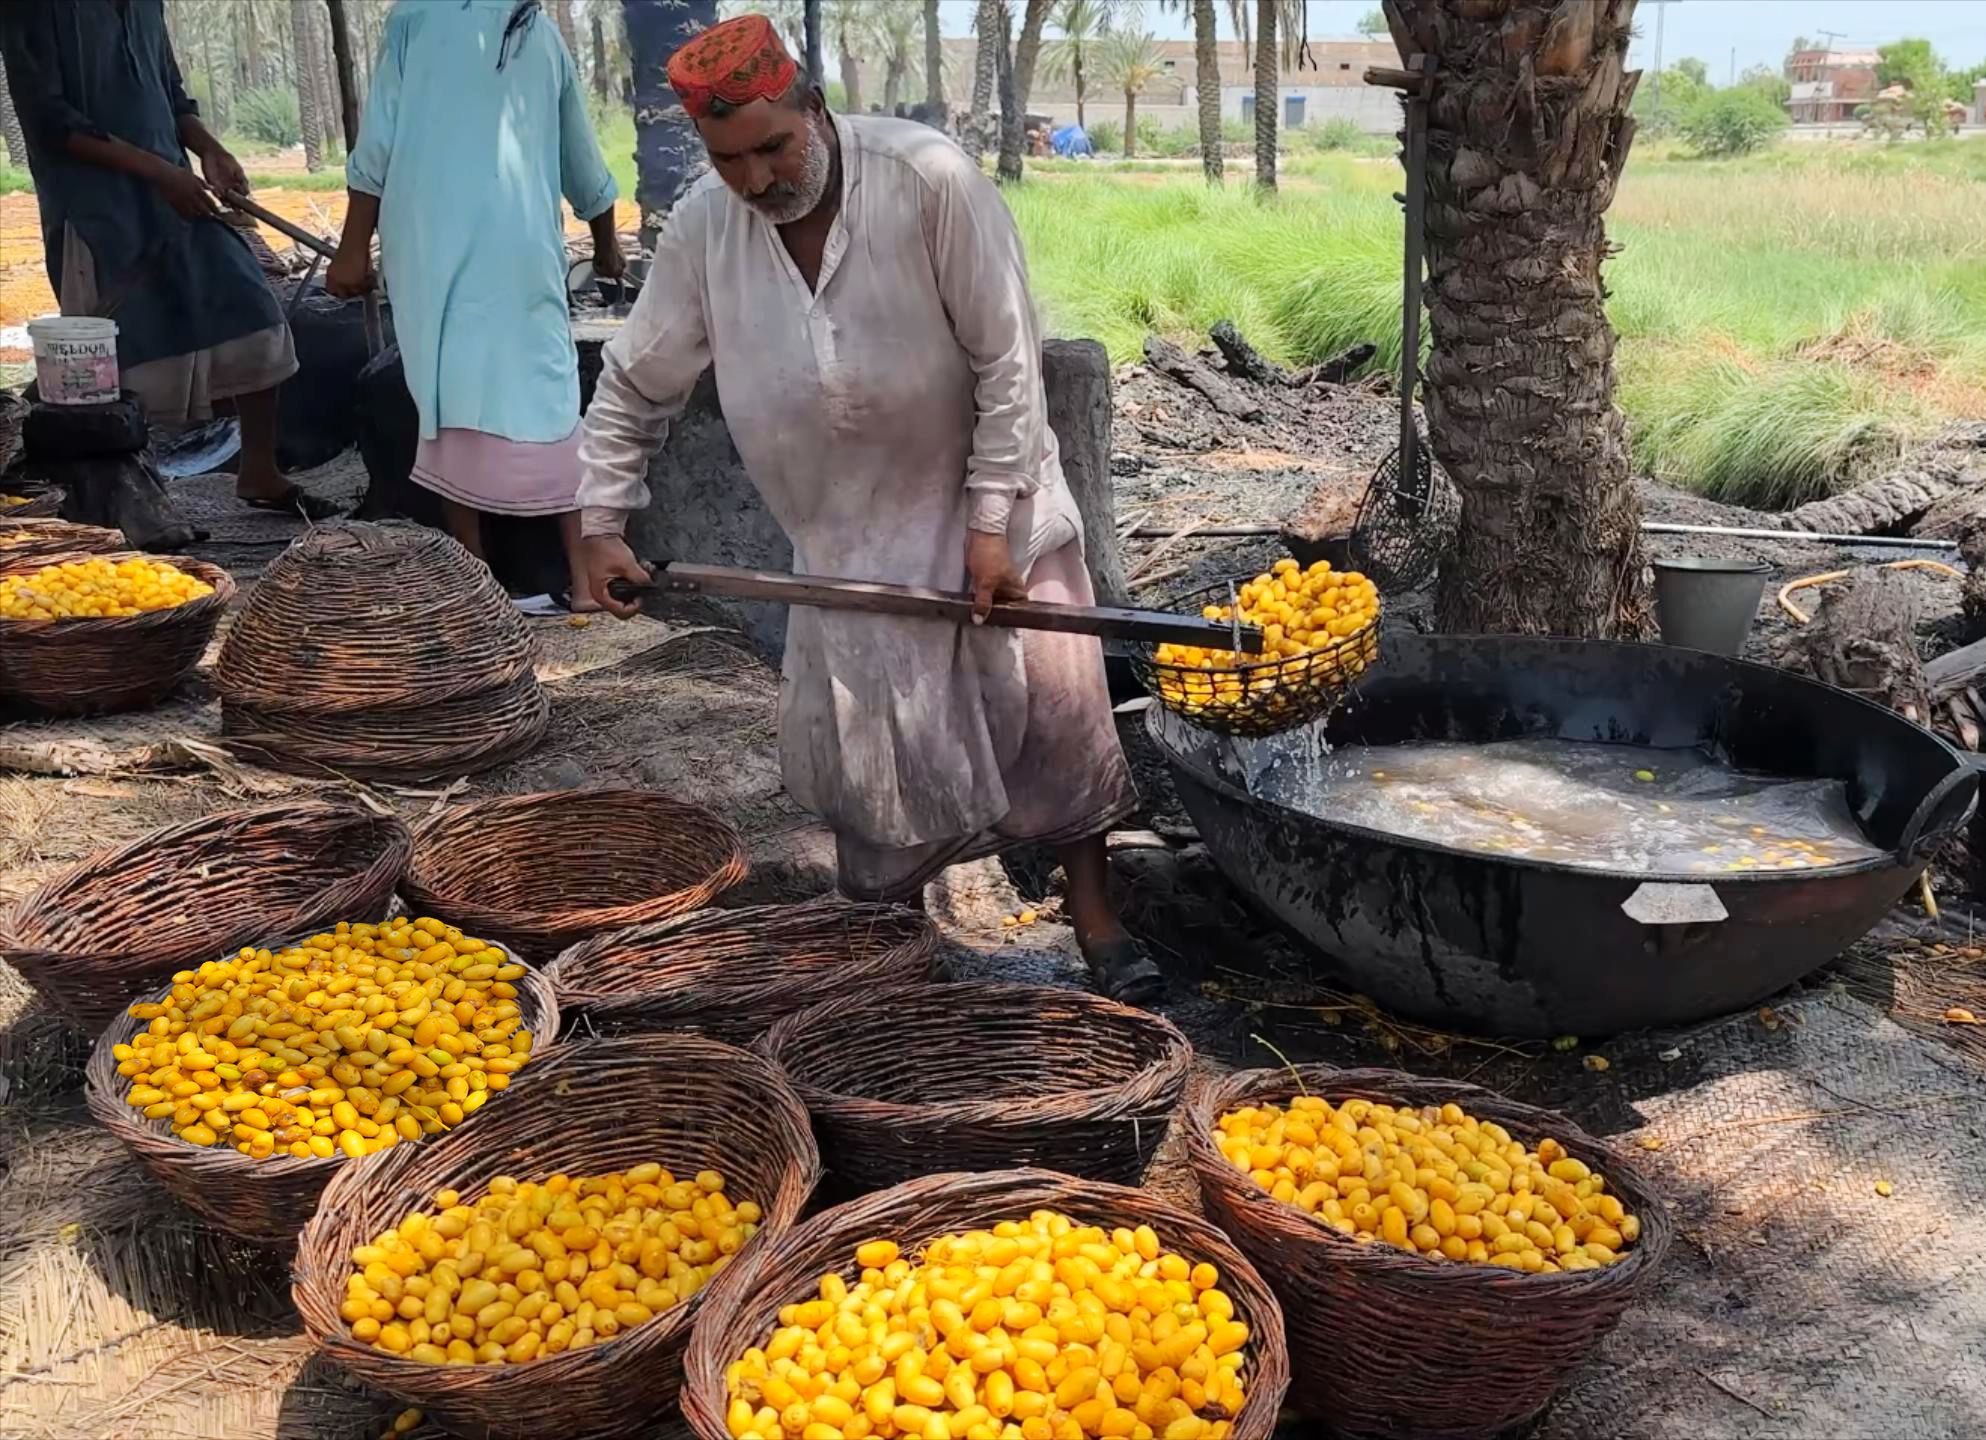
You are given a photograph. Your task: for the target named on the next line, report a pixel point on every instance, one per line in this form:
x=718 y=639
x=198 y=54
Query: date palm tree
x=1131 y=61
x=1206 y=79
x=1026 y=55
x=1268 y=62
x=934 y=63
x=1528 y=132
x=986 y=26
x=1072 y=57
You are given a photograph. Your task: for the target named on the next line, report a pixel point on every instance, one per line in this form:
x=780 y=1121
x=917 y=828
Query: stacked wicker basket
x=386 y=652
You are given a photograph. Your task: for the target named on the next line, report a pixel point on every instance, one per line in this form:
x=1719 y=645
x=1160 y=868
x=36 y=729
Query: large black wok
x=1532 y=947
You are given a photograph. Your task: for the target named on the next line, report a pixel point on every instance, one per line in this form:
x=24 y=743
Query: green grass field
x=1786 y=321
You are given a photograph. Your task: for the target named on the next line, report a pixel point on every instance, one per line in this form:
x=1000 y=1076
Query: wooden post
x=348 y=105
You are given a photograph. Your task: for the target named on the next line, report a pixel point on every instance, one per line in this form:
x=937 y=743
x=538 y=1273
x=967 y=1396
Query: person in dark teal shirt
x=133 y=234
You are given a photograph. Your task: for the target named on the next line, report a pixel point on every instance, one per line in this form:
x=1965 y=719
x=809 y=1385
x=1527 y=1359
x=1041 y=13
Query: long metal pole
x=1648 y=527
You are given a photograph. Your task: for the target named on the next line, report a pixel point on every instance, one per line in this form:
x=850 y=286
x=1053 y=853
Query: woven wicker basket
x=1439 y=1332
x=685 y=1101
x=742 y=1308
x=266 y=1201
x=982 y=1077
x=43 y=504
x=119 y=922
x=541 y=872
x=732 y=973
x=116 y=662
x=380 y=650
x=30 y=541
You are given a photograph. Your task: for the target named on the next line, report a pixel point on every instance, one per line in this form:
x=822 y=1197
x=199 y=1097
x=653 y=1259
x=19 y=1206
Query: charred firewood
x=1175 y=364
x=1863 y=640
x=1339 y=368
x=1244 y=359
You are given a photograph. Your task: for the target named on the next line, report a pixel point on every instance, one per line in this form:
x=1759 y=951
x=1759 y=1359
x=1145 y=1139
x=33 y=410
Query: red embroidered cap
x=737 y=61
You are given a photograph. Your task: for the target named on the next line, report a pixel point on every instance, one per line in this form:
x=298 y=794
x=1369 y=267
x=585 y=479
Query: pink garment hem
x=498 y=476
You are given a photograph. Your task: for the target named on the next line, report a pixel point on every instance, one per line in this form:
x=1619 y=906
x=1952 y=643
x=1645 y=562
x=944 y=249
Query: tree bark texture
x=348 y=84
x=810 y=25
x=568 y=31
x=599 y=27
x=1027 y=50
x=1266 y=53
x=934 y=63
x=1528 y=130
x=667 y=154
x=1207 y=84
x=10 y=128
x=1130 y=124
x=985 y=58
x=304 y=37
x=326 y=78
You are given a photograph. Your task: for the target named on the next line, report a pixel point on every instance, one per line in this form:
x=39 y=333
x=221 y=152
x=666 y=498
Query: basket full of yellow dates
x=1320 y=632
x=246 y=1083
x=998 y=1305
x=1411 y=1228
x=537 y=1273
x=88 y=633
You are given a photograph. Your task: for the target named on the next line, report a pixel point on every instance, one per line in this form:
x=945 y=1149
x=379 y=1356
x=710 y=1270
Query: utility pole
x=1655 y=97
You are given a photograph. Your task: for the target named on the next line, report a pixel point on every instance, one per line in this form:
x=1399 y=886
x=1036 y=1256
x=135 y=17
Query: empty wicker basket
x=118 y=923
x=982 y=1077
x=383 y=651
x=684 y=1101
x=541 y=872
x=112 y=662
x=266 y=1201
x=733 y=973
x=1439 y=1331
x=742 y=1308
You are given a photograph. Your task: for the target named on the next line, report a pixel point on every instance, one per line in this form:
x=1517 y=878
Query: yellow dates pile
x=1302 y=613
x=1433 y=1181
x=85 y=588
x=535 y=1269
x=1038 y=1329
x=352 y=1041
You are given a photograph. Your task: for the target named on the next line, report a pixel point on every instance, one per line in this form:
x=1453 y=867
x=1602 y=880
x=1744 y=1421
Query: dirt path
x=26 y=293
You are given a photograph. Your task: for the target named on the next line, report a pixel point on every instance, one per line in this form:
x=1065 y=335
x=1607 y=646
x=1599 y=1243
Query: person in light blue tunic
x=475 y=127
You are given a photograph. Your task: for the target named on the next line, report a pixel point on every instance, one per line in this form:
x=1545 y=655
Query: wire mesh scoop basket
x=1411 y=510
x=1250 y=695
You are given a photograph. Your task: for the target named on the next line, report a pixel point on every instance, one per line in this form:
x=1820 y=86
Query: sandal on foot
x=296 y=501
x=1123 y=971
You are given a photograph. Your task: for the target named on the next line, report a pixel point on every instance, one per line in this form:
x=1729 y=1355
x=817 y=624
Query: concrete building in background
x=1329 y=84
x=1829 y=85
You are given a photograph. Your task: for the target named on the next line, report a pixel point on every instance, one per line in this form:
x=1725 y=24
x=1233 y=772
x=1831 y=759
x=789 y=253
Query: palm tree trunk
x=10 y=127
x=934 y=64
x=599 y=26
x=1266 y=57
x=1528 y=131
x=568 y=32
x=985 y=58
x=1207 y=79
x=303 y=34
x=893 y=72
x=851 y=79
x=668 y=156
x=810 y=24
x=1130 y=124
x=1082 y=117
x=1027 y=49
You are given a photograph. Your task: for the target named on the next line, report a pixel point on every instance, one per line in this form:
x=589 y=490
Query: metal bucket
x=1706 y=604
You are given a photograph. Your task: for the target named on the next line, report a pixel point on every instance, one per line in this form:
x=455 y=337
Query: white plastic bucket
x=75 y=359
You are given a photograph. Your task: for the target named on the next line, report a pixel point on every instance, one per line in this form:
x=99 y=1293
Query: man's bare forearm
x=197 y=138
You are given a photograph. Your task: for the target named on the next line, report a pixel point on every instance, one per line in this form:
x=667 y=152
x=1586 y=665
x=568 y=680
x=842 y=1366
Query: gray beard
x=786 y=203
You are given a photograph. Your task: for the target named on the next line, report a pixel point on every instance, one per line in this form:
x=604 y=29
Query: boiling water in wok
x=1613 y=807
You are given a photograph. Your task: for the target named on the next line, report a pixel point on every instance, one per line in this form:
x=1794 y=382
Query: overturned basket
x=383 y=651
x=1437 y=1329
x=684 y=1101
x=732 y=974
x=541 y=872
x=981 y=1077
x=119 y=922
x=1255 y=696
x=266 y=1201
x=109 y=662
x=742 y=1309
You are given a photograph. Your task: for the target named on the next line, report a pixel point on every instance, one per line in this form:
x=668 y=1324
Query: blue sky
x=1718 y=32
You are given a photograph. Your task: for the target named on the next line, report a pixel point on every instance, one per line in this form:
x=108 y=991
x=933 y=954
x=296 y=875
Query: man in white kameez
x=859 y=286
